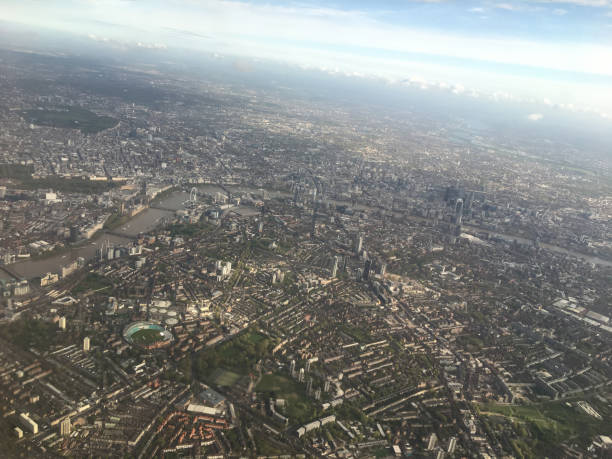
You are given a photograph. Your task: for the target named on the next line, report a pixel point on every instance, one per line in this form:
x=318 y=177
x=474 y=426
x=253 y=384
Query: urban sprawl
x=197 y=268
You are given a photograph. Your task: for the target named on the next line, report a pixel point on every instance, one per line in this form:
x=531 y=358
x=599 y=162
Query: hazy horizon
x=550 y=54
x=504 y=118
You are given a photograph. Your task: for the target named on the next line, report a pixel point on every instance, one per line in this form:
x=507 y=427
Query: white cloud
x=125 y=44
x=476 y=10
x=524 y=6
x=458 y=89
x=506 y=6
x=94 y=37
x=559 y=12
x=350 y=42
x=535 y=117
x=230 y=21
x=594 y=3
x=151 y=45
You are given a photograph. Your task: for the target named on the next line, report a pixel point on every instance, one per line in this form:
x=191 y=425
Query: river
x=554 y=248
x=148 y=219
x=143 y=222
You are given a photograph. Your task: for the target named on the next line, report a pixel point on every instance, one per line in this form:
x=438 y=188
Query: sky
x=555 y=54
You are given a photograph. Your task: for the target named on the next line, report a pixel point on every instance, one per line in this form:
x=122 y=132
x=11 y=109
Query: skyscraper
x=359 y=243
x=366 y=269
x=459 y=211
x=335 y=267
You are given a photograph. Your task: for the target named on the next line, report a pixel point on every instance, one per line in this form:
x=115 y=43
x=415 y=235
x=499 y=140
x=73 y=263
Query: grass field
x=92 y=281
x=115 y=221
x=299 y=407
x=16 y=171
x=23 y=175
x=357 y=333
x=542 y=427
x=38 y=334
x=266 y=446
x=224 y=378
x=470 y=342
x=189 y=229
x=146 y=336
x=276 y=383
x=226 y=364
x=70 y=117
